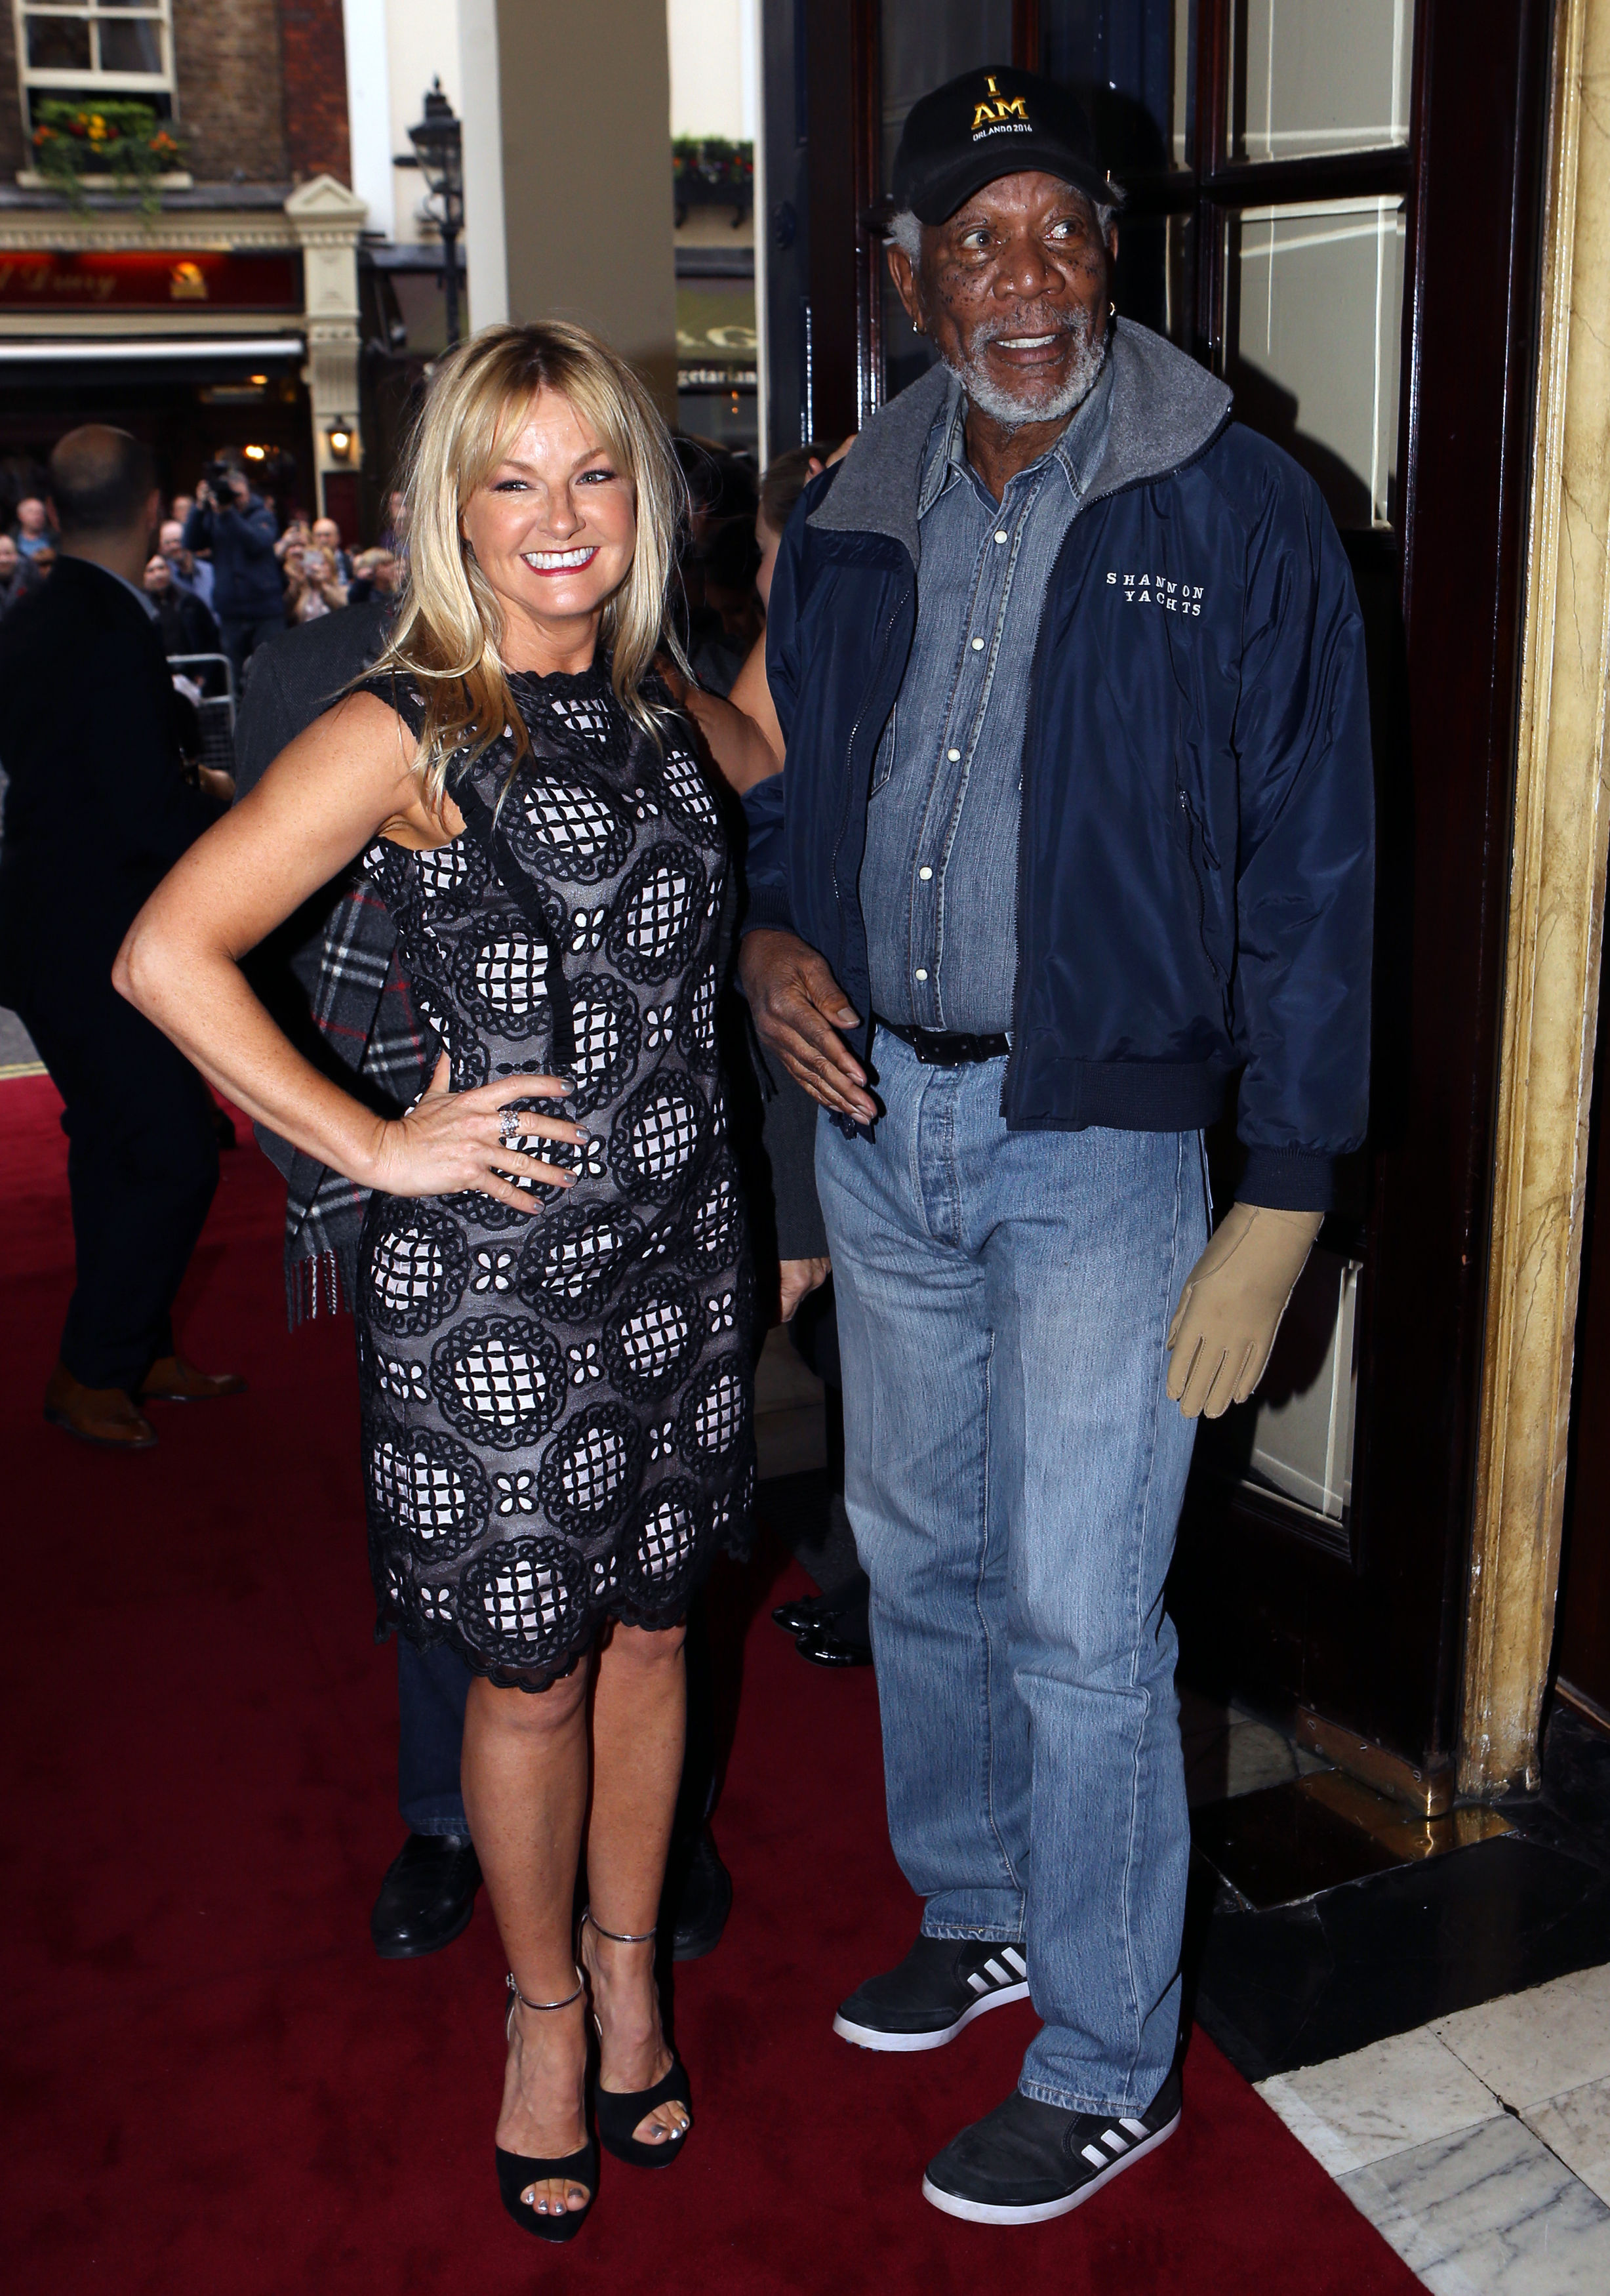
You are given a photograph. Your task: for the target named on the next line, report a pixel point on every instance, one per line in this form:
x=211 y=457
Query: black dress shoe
x=1027 y=2162
x=828 y=1646
x=702 y=1902
x=804 y=1611
x=427 y=1897
x=844 y=1636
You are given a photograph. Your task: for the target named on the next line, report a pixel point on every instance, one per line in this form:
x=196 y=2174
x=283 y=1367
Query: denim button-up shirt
x=939 y=880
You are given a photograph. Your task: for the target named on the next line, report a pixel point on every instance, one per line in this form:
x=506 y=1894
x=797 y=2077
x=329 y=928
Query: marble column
x=1557 y=903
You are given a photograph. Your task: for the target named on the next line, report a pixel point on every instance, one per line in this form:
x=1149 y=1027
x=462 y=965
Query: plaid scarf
x=360 y=1005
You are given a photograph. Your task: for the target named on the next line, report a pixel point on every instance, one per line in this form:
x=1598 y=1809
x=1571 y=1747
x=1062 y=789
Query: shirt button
x=977 y=646
x=955 y=756
x=1001 y=535
x=925 y=874
x=922 y=972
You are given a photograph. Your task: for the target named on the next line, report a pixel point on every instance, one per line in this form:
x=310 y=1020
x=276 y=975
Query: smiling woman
x=545 y=509
x=554 y=1284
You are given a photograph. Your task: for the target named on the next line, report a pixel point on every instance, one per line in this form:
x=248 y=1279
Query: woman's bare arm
x=321 y=803
x=744 y=738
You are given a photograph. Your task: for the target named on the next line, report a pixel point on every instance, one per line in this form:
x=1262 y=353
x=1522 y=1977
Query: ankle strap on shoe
x=565 y=2004
x=619 y=1936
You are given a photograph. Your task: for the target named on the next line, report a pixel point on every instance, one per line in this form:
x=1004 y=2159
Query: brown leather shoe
x=96 y=1414
x=172 y=1380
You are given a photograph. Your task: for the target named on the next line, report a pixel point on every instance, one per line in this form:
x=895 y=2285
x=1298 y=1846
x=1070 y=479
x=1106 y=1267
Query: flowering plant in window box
x=124 y=145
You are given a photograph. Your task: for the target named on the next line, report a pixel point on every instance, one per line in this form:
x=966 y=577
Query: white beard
x=1039 y=404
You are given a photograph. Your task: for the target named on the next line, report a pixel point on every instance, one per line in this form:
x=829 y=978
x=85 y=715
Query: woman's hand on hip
x=452 y=1140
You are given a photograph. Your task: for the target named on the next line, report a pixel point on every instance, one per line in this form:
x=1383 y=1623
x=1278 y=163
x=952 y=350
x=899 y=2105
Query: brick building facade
x=230 y=315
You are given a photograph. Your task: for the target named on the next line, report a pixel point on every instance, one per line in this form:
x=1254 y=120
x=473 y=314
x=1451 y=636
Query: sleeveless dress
x=557 y=1407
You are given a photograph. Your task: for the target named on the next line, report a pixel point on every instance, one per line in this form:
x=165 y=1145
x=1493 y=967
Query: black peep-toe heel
x=619 y=2111
x=516 y=2171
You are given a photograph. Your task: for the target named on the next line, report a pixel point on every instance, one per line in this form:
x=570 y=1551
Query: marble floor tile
x=1489 y=2212
x=1533 y=2045
x=1397 y=2094
x=1577 y=2127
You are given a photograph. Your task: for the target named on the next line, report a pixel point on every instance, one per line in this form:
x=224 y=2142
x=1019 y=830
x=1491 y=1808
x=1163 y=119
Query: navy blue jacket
x=1195 y=883
x=247 y=582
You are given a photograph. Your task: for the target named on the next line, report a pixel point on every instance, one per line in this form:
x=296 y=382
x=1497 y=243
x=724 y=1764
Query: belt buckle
x=937 y=1049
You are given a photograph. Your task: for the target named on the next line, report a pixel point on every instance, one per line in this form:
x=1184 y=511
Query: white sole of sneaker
x=869 y=2037
x=1043 y=2211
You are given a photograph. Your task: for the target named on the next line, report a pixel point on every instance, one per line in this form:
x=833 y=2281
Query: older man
x=1077 y=825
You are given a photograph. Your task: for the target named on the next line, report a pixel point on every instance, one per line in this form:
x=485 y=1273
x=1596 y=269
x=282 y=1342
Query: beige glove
x=1231 y=1309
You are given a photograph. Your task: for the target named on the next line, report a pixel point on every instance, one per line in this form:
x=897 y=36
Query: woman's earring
x=1112 y=310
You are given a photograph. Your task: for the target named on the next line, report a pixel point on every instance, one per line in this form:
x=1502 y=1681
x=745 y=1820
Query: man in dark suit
x=97 y=812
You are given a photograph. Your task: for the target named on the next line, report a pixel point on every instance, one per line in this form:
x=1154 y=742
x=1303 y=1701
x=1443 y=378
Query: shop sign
x=146 y=281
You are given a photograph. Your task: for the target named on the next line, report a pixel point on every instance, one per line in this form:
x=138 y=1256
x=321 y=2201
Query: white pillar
x=369 y=111
x=486 y=246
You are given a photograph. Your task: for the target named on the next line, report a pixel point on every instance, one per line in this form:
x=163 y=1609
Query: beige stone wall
x=232 y=106
x=586 y=113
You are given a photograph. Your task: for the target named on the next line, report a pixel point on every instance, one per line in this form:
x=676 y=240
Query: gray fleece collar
x=1165 y=408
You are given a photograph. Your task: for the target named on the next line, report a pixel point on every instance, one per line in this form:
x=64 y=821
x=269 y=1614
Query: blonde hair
x=447 y=634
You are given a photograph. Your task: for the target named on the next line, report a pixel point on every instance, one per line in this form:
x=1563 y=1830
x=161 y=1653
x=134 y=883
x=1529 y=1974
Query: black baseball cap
x=984 y=123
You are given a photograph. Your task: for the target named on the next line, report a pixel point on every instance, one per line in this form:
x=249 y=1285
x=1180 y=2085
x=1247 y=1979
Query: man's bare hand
x=797 y=1279
x=799 y=1009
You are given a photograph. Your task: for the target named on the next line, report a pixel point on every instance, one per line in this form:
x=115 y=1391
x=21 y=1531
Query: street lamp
x=438 y=148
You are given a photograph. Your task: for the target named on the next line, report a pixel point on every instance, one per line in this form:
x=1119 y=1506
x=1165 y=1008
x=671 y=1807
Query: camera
x=218 y=476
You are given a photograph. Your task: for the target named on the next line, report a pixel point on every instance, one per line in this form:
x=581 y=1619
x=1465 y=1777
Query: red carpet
x=212 y=2085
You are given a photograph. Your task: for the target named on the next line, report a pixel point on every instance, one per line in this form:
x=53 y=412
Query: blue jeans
x=1014 y=1471
x=431 y=1687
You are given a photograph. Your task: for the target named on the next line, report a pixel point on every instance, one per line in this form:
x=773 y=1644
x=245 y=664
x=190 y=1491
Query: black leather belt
x=945 y=1048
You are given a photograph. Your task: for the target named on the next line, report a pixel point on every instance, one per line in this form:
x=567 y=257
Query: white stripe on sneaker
x=1095 y=2156
x=1011 y=1954
x=1135 y=2128
x=1111 y=2137
x=978 y=1981
x=997 y=1973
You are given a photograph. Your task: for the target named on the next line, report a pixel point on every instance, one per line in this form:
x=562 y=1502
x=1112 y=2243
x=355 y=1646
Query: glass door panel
x=1310 y=76
x=921 y=45
x=1129 y=62
x=1314 y=337
x=1155 y=279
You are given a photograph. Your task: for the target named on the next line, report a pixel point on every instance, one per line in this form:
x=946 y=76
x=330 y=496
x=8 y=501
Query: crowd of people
x=227 y=572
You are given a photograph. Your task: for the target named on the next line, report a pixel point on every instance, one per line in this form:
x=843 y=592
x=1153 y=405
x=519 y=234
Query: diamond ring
x=509 y=1127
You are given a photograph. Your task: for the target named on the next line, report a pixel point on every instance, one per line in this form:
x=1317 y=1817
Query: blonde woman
x=552 y=1293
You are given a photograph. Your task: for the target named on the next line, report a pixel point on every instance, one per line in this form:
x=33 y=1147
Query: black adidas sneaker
x=942 y=1985
x=1027 y=2162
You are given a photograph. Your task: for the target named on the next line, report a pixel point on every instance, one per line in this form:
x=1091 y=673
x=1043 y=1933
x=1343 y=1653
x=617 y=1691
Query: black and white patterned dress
x=557 y=1408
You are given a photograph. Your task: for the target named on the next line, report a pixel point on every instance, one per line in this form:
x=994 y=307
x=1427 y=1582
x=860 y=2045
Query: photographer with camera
x=237 y=526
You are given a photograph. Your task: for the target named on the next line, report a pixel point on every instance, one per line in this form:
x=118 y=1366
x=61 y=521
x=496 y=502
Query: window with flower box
x=75 y=50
